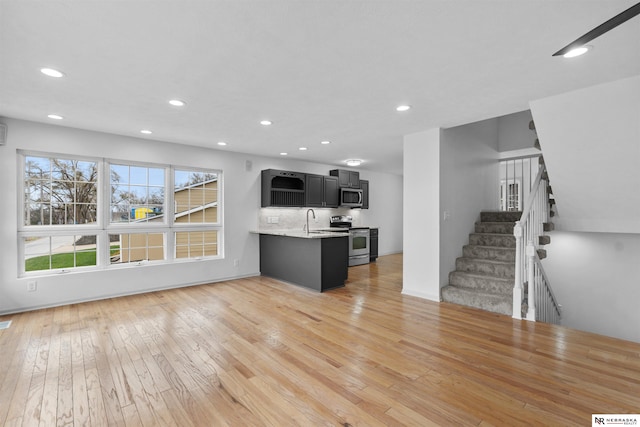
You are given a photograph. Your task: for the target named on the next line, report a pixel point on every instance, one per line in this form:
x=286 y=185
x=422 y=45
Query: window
x=137 y=193
x=69 y=223
x=195 y=210
x=60 y=191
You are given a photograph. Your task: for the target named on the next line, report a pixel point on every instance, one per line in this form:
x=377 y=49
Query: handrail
x=541 y=301
x=532 y=196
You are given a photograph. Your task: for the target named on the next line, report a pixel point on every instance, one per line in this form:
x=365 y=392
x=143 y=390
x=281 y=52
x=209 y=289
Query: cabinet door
x=354 y=179
x=364 y=185
x=315 y=191
x=331 y=192
x=346 y=178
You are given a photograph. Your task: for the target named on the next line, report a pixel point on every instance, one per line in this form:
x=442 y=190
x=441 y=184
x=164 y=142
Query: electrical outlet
x=273 y=220
x=236 y=262
x=447 y=215
x=32 y=286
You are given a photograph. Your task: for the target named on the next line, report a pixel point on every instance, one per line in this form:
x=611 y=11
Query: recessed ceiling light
x=403 y=108
x=146 y=131
x=266 y=122
x=51 y=72
x=177 y=103
x=222 y=143
x=302 y=148
x=55 y=117
x=353 y=162
x=325 y=142
x=577 y=51
x=283 y=154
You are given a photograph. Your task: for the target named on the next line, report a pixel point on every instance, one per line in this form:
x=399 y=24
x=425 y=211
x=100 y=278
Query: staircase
x=485 y=273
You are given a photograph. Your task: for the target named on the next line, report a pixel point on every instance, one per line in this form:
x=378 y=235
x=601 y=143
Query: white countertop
x=313 y=234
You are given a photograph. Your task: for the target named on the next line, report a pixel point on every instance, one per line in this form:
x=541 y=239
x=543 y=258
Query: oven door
x=358 y=246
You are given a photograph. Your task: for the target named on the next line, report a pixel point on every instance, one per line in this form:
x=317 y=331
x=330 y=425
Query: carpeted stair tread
x=492 y=239
x=489 y=301
x=497 y=253
x=481 y=282
x=495 y=227
x=500 y=216
x=505 y=270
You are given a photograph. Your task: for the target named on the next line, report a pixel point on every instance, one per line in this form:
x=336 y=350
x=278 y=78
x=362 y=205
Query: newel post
x=517 y=287
x=531 y=300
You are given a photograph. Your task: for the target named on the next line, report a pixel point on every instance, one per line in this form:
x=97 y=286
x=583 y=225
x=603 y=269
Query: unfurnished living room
x=279 y=212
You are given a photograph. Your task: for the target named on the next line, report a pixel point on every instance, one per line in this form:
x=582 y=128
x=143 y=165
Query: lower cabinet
x=373 y=244
x=318 y=264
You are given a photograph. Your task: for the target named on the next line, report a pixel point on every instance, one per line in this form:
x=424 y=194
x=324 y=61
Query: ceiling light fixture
x=402 y=108
x=353 y=162
x=51 y=72
x=55 y=117
x=325 y=142
x=302 y=148
x=577 y=51
x=266 y=122
x=146 y=131
x=177 y=103
x=222 y=143
x=283 y=153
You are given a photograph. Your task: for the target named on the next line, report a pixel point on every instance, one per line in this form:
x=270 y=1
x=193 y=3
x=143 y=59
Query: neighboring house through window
x=70 y=223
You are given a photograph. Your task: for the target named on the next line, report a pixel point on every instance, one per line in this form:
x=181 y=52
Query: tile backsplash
x=296 y=218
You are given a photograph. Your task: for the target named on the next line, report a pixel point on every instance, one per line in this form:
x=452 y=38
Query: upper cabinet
x=346 y=178
x=298 y=190
x=364 y=185
x=283 y=188
x=322 y=191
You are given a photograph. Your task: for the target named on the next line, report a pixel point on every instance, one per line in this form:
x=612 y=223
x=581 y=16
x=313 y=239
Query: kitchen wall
x=241 y=206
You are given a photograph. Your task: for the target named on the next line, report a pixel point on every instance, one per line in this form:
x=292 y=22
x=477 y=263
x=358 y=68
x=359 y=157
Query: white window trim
x=103 y=226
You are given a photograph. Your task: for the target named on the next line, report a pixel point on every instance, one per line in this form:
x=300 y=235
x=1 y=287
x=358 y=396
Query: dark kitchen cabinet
x=283 y=188
x=373 y=244
x=346 y=178
x=364 y=185
x=322 y=191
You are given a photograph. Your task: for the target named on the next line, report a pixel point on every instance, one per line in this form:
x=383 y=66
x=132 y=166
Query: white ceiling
x=319 y=69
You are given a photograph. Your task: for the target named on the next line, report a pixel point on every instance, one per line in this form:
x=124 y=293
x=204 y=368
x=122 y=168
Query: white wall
x=596 y=277
x=468 y=185
x=514 y=133
x=590 y=139
x=421 y=261
x=241 y=204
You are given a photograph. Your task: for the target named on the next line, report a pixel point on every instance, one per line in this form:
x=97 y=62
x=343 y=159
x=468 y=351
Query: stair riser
x=486 y=284
x=495 y=227
x=494 y=303
x=503 y=271
x=500 y=216
x=486 y=252
x=503 y=241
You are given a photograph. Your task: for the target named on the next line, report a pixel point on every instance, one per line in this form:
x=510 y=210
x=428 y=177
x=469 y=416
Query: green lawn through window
x=65 y=260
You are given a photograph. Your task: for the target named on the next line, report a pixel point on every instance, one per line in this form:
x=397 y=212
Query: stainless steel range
x=358 y=239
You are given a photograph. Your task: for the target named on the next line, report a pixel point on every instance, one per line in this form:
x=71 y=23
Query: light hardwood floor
x=261 y=352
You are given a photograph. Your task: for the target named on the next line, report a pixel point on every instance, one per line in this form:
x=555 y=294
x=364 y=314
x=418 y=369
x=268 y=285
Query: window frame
x=103 y=227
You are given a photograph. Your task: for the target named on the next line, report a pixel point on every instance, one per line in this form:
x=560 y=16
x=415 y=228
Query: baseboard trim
x=423 y=295
x=107 y=296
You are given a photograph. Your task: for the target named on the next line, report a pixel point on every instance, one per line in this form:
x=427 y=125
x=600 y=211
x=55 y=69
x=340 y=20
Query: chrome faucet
x=314 y=217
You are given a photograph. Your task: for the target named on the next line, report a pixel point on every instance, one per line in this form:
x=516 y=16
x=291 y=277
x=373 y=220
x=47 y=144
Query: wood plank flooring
x=258 y=352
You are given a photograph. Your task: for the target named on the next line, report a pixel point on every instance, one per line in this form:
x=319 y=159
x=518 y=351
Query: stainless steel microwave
x=351 y=197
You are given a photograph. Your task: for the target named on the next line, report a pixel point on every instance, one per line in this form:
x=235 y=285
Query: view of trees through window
x=61 y=192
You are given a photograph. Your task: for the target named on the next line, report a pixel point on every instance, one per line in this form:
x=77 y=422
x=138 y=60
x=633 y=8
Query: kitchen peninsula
x=316 y=260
